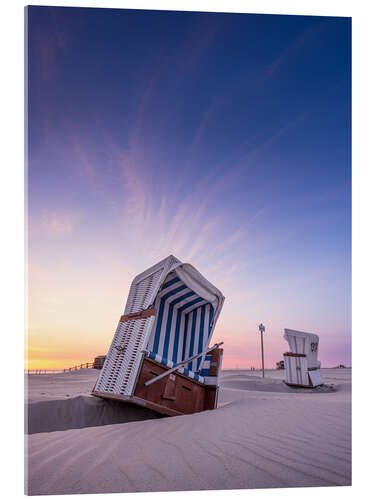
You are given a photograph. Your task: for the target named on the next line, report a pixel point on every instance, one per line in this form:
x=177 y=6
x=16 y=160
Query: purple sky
x=221 y=138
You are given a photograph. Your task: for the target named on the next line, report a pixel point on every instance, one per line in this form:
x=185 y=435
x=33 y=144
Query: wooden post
x=262 y=328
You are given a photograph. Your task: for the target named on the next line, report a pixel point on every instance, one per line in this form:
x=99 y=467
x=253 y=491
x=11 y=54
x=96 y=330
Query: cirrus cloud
x=55 y=223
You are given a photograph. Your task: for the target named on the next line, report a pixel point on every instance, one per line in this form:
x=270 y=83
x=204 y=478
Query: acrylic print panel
x=189 y=276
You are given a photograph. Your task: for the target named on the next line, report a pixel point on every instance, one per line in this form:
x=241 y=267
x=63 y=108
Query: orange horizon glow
x=241 y=351
x=71 y=324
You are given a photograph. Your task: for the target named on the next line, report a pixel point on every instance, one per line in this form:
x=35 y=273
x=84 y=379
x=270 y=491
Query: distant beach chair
x=159 y=357
x=302 y=367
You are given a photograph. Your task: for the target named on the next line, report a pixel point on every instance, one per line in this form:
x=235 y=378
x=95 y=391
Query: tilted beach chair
x=159 y=357
x=302 y=367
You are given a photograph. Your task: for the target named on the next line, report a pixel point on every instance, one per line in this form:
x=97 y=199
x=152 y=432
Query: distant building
x=99 y=362
x=280 y=365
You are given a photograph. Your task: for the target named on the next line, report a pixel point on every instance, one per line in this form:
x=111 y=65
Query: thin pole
x=262 y=328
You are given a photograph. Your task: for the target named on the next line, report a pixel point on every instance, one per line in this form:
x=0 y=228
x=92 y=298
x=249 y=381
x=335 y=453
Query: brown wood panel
x=170 y=388
x=173 y=395
x=175 y=392
x=294 y=355
x=215 y=362
x=138 y=315
x=210 y=398
x=139 y=402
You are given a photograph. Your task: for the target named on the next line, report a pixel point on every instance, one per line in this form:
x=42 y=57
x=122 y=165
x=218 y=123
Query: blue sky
x=221 y=138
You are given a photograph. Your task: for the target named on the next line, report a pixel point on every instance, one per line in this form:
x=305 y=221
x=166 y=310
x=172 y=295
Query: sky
x=223 y=139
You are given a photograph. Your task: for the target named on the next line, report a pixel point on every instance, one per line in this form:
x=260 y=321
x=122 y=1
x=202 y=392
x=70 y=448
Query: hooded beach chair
x=160 y=356
x=302 y=367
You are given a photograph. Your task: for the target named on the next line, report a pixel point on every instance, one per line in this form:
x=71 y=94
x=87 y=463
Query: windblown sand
x=263 y=435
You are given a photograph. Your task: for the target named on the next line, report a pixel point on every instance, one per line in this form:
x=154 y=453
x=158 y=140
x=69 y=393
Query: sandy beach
x=263 y=435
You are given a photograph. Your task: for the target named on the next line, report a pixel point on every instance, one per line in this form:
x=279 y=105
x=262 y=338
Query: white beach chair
x=159 y=356
x=302 y=367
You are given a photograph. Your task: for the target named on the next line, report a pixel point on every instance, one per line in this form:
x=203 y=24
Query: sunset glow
x=156 y=133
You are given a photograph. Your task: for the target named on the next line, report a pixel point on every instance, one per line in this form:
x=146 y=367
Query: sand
x=263 y=435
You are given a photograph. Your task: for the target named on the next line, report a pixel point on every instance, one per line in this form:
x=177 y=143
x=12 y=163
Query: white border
x=364 y=249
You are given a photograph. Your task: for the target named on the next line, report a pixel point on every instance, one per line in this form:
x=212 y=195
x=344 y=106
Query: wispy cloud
x=293 y=49
x=57 y=223
x=198 y=43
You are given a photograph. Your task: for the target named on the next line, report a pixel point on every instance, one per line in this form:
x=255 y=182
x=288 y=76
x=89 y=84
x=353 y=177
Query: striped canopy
x=184 y=323
x=187 y=307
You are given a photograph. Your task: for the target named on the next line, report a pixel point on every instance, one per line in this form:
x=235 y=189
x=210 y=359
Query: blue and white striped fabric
x=205 y=371
x=160 y=359
x=191 y=374
x=182 y=369
x=206 y=366
x=183 y=324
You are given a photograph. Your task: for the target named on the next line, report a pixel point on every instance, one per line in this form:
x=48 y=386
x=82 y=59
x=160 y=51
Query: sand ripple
x=255 y=440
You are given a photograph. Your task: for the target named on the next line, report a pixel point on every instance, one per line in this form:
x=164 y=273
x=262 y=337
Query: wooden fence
x=71 y=369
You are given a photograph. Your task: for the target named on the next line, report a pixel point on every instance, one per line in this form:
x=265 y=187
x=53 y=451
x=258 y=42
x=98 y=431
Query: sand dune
x=263 y=435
